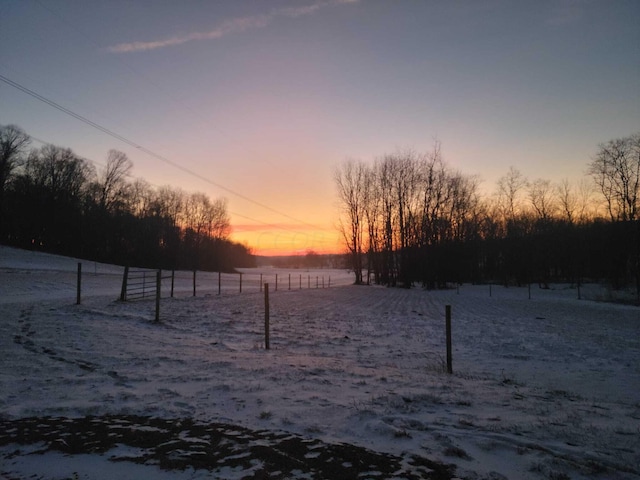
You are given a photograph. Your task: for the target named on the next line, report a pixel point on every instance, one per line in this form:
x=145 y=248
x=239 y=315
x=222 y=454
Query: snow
x=542 y=387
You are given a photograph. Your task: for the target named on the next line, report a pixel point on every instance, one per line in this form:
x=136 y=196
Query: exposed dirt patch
x=177 y=444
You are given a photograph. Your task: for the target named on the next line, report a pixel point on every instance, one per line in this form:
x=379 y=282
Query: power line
x=166 y=93
x=58 y=15
x=143 y=149
x=271 y=225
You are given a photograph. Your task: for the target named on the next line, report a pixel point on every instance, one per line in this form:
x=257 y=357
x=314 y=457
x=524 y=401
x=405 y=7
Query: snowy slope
x=547 y=387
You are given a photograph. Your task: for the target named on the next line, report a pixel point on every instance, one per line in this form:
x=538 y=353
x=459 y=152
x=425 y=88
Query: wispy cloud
x=236 y=25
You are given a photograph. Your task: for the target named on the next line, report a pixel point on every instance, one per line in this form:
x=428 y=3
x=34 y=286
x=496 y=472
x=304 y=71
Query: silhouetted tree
x=111 y=185
x=510 y=190
x=616 y=172
x=13 y=144
x=350 y=184
x=51 y=191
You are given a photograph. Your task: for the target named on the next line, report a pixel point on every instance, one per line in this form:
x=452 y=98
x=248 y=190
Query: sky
x=260 y=101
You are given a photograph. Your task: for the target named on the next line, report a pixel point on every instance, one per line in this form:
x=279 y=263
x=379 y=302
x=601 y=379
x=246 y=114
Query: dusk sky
x=259 y=101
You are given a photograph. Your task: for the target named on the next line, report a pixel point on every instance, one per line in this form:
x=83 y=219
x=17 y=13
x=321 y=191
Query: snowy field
x=543 y=388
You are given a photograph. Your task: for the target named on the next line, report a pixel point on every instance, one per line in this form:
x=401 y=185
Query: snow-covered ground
x=547 y=387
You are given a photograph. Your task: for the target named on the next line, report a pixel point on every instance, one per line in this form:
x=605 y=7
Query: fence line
x=140 y=283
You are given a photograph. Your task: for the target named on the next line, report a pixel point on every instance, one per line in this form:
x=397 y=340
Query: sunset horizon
x=261 y=103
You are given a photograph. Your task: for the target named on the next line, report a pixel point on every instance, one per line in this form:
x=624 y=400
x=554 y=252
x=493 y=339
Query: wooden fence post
x=240 y=282
x=219 y=283
x=300 y=281
x=79 y=289
x=173 y=277
x=289 y=281
x=194 y=283
x=144 y=284
x=158 y=291
x=448 y=327
x=308 y=281
x=266 y=316
x=276 y=282
x=260 y=282
x=123 y=291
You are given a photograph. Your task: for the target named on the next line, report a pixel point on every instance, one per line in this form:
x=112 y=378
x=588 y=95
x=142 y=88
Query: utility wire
x=143 y=149
x=271 y=225
x=133 y=70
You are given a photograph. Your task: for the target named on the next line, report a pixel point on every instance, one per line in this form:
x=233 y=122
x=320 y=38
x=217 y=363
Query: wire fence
x=143 y=283
x=140 y=283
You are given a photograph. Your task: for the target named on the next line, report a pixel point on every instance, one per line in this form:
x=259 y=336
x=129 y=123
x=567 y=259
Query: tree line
x=55 y=201
x=409 y=218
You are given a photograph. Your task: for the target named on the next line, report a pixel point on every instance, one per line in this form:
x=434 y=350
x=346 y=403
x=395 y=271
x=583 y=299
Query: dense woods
x=409 y=218
x=55 y=201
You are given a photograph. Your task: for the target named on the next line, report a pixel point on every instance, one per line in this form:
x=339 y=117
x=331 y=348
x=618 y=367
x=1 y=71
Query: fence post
x=158 y=291
x=260 y=282
x=448 y=327
x=289 y=281
x=219 y=282
x=266 y=316
x=123 y=291
x=308 y=281
x=144 y=284
x=276 y=282
x=194 y=283
x=300 y=281
x=240 y=282
x=173 y=276
x=79 y=289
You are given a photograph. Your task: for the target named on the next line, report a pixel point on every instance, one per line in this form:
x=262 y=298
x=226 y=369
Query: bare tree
x=169 y=203
x=567 y=200
x=56 y=181
x=205 y=218
x=220 y=225
x=510 y=189
x=58 y=170
x=616 y=172
x=404 y=190
x=463 y=207
x=112 y=182
x=384 y=169
x=587 y=207
x=13 y=144
x=350 y=180
x=139 y=198
x=435 y=192
x=542 y=199
x=373 y=213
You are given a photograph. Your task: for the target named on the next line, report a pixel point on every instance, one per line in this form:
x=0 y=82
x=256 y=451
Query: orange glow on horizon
x=277 y=240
